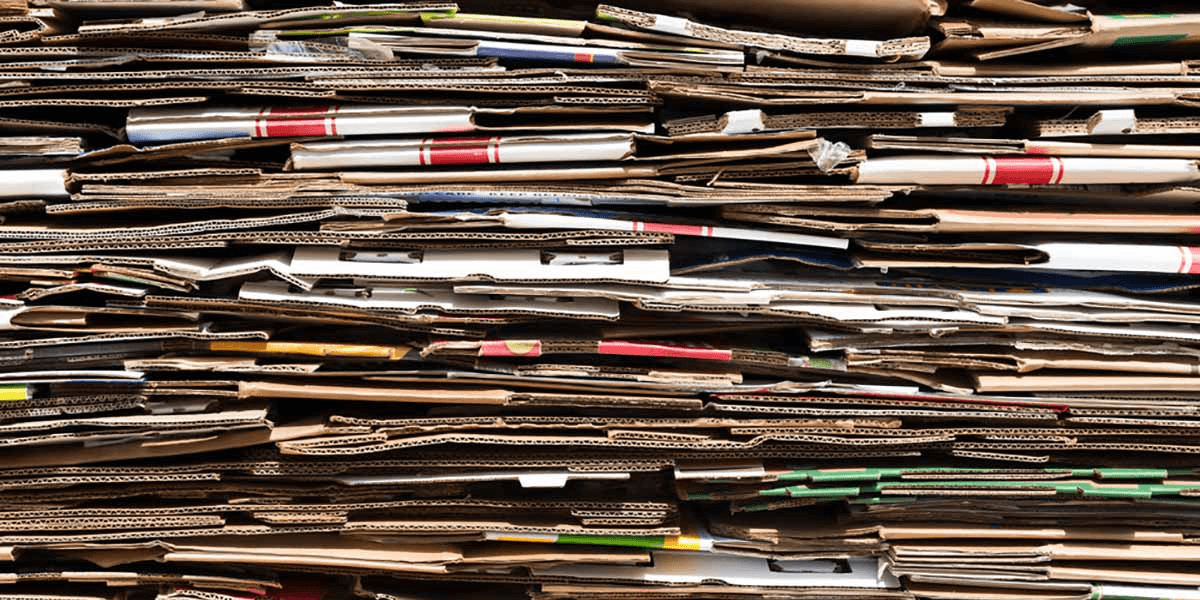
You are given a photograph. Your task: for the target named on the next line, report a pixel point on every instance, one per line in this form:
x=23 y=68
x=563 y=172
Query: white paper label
x=543 y=480
x=1112 y=122
x=672 y=25
x=744 y=121
x=937 y=119
x=864 y=48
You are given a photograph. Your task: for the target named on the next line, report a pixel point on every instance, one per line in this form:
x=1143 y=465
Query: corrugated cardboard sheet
x=653 y=300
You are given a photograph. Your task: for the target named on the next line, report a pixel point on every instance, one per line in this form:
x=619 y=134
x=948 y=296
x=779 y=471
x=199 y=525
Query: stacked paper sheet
x=682 y=299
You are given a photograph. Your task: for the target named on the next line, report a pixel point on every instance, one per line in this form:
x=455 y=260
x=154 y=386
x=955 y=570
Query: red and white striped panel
x=1024 y=170
x=1029 y=171
x=320 y=121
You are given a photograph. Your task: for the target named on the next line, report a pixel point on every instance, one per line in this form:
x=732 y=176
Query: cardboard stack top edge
x=665 y=300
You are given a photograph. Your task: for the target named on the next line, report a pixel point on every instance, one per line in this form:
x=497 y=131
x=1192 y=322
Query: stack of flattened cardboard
x=799 y=299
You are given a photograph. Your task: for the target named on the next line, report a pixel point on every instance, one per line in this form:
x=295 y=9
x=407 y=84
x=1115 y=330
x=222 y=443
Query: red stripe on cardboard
x=260 y=124
x=459 y=155
x=295 y=127
x=655 y=350
x=987 y=170
x=1194 y=265
x=1032 y=171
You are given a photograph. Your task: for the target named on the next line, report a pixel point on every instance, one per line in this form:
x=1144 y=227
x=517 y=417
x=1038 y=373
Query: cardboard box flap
x=152 y=6
x=995 y=39
x=539 y=479
x=753 y=120
x=632 y=265
x=95 y=319
x=578 y=219
x=1142 y=32
x=674 y=568
x=31 y=27
x=1055 y=148
x=264 y=389
x=791 y=97
x=50 y=232
x=163 y=271
x=231 y=418
x=866 y=17
x=583 y=147
x=1024 y=9
x=1005 y=170
x=1138 y=30
x=487 y=22
x=1129 y=552
x=962 y=221
x=500 y=176
x=955 y=145
x=171 y=124
x=536 y=348
x=1114 y=122
x=1095 y=383
x=503 y=45
x=889 y=49
x=203 y=22
x=384 y=297
x=1070 y=256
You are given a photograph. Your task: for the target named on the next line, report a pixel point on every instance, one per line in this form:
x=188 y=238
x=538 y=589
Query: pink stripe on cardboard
x=656 y=350
x=510 y=348
x=696 y=230
x=1189 y=264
